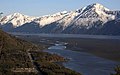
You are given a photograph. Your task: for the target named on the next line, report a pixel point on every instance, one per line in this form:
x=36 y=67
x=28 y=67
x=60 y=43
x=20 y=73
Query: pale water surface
x=85 y=63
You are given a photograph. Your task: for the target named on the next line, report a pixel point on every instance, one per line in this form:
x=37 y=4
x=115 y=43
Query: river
x=82 y=62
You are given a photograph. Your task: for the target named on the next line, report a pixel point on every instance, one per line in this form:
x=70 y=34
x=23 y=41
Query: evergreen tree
x=117 y=70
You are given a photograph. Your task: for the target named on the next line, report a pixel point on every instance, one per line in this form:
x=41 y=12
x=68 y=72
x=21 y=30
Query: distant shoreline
x=67 y=35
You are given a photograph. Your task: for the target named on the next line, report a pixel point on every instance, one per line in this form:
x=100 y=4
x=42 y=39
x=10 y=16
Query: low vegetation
x=117 y=70
x=48 y=64
x=13 y=54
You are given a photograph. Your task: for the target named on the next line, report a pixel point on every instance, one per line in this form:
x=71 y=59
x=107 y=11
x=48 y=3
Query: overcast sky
x=45 y=7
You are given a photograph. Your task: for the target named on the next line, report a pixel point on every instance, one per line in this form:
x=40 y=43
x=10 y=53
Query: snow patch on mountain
x=44 y=20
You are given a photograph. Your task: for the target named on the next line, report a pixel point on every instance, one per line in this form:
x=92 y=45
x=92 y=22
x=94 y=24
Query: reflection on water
x=57 y=46
x=85 y=63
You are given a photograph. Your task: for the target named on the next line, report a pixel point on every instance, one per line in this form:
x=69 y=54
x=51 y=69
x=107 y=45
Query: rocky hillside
x=9 y=42
x=13 y=55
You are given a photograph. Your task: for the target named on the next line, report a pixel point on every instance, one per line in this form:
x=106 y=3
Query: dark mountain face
x=31 y=27
x=52 y=28
x=7 y=27
x=110 y=28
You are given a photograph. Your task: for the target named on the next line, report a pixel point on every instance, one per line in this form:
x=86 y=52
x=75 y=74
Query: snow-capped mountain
x=87 y=16
x=16 y=19
x=87 y=20
x=47 y=19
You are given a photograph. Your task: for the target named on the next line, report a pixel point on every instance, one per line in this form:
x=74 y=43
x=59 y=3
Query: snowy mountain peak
x=16 y=14
x=17 y=19
x=62 y=13
x=94 y=7
x=95 y=10
x=99 y=7
x=47 y=19
x=97 y=4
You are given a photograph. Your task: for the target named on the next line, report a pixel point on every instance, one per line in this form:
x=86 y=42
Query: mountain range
x=92 y=19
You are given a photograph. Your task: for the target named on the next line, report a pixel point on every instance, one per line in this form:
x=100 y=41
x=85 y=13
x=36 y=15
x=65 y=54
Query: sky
x=46 y=7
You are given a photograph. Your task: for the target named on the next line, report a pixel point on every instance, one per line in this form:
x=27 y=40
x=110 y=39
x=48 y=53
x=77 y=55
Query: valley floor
x=106 y=48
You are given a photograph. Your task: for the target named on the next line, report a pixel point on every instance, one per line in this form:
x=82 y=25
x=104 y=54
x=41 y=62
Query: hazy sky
x=44 y=7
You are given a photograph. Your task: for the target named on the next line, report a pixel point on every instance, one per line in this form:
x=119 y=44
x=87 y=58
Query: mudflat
x=106 y=48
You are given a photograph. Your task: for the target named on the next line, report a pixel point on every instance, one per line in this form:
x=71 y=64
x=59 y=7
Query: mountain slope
x=13 y=54
x=8 y=42
x=111 y=28
x=86 y=20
